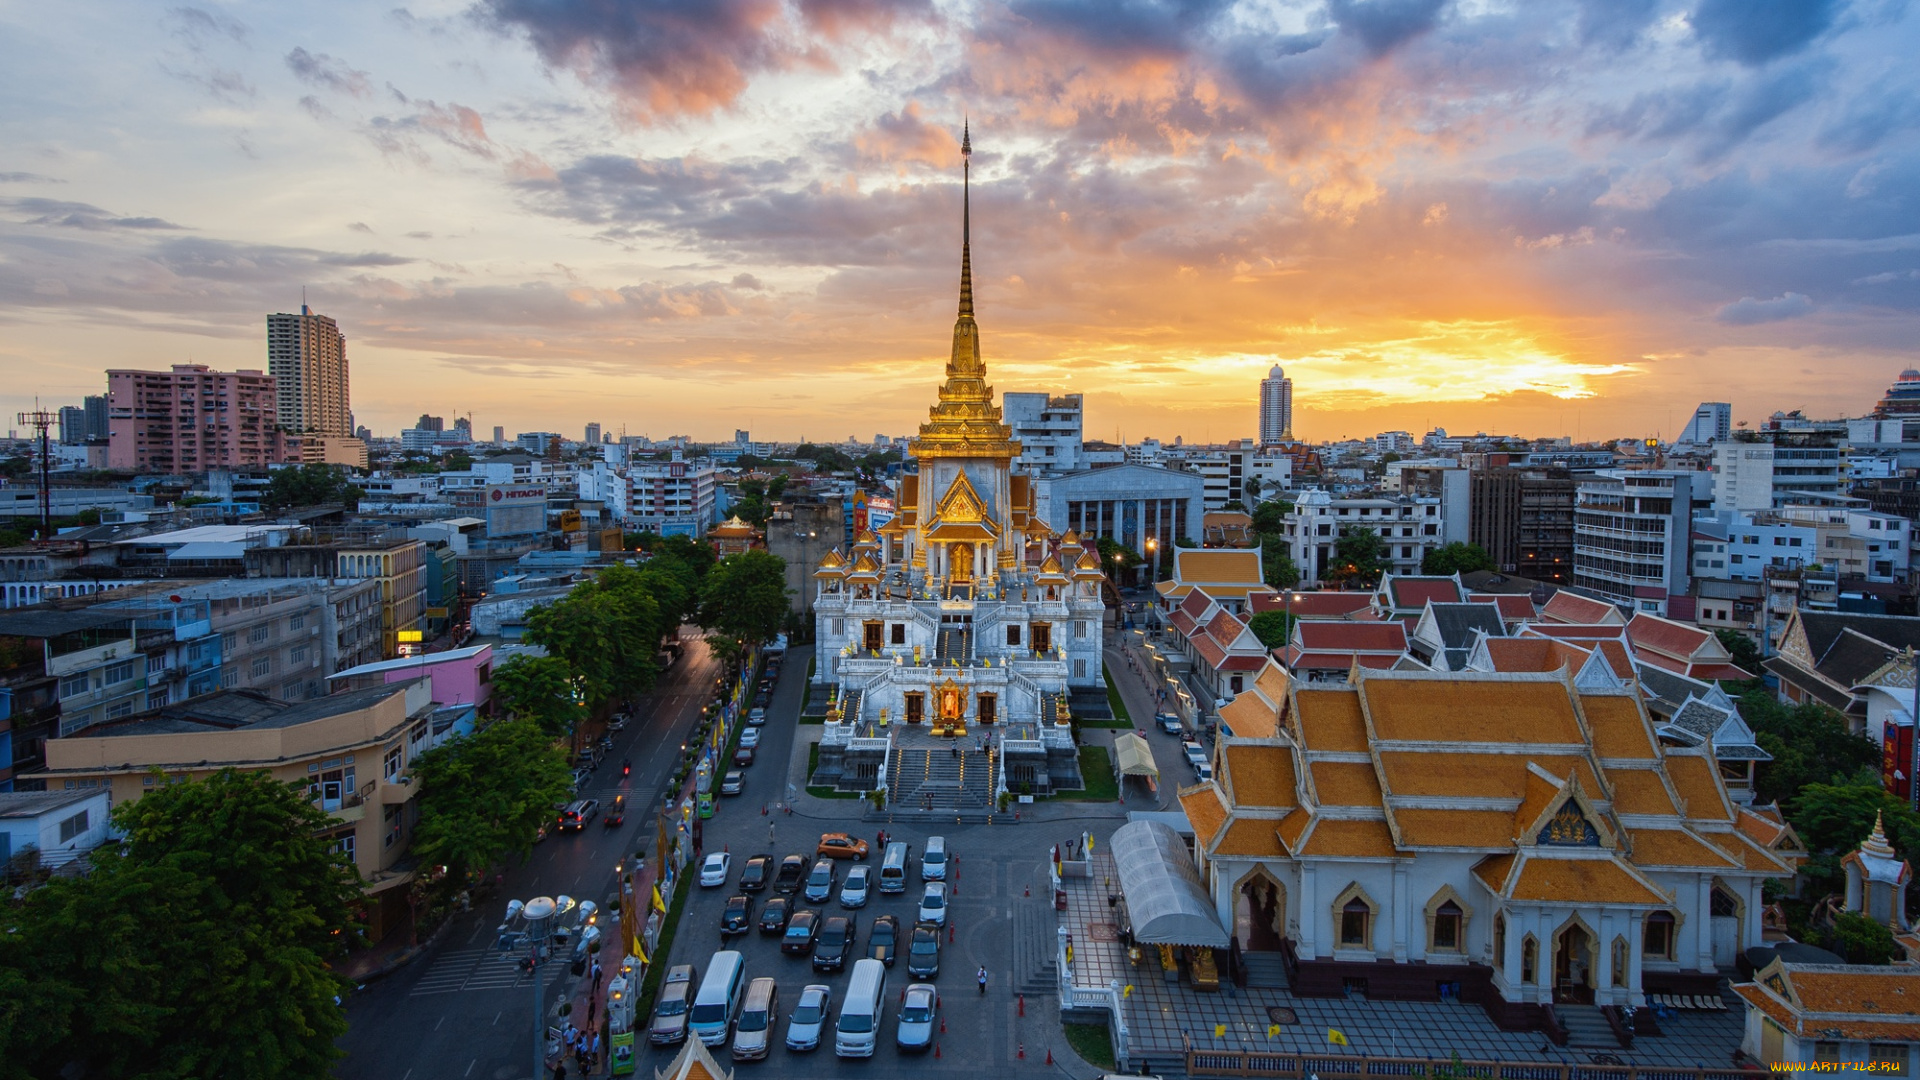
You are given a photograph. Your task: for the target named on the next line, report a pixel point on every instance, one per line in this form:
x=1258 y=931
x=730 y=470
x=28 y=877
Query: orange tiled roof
x=1763 y=827
x=1240 y=567
x=1291 y=828
x=1330 y=720
x=1250 y=716
x=1749 y=854
x=1345 y=783
x=1677 y=847
x=1619 y=730
x=1639 y=791
x=1454 y=828
x=1273 y=682
x=1584 y=880
x=1834 y=1001
x=1469 y=709
x=1476 y=776
x=1252 y=838
x=1493 y=870
x=1260 y=775
x=1698 y=783
x=1337 y=838
x=1204 y=810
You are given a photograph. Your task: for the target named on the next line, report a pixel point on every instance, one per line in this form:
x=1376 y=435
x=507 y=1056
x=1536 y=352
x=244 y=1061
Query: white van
x=719 y=998
x=856 y=1032
x=893 y=869
x=933 y=861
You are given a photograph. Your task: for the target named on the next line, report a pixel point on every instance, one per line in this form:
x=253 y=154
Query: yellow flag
x=1272 y=1030
x=1219 y=1031
x=659 y=905
x=1337 y=1037
x=1128 y=992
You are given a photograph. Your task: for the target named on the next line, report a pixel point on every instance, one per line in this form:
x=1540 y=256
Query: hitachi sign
x=516 y=494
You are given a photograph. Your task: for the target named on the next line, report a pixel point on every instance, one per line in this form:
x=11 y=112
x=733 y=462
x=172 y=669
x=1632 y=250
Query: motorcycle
x=626 y=768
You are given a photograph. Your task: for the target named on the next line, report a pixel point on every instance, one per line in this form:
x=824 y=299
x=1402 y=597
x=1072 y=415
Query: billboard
x=879 y=513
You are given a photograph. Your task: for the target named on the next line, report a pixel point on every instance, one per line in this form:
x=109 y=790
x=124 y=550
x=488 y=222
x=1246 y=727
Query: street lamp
x=532 y=924
x=1153 y=560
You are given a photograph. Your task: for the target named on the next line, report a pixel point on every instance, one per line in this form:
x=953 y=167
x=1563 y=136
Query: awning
x=1136 y=757
x=1164 y=896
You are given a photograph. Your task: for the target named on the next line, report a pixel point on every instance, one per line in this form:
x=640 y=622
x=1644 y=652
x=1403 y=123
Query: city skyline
x=1551 y=220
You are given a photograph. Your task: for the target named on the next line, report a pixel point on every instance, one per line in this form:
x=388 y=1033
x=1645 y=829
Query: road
x=464 y=1010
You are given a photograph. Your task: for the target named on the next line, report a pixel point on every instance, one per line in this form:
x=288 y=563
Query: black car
x=743 y=757
x=834 y=942
x=753 y=877
x=737 y=916
x=773 y=917
x=923 y=952
x=616 y=812
x=801 y=928
x=884 y=939
x=793 y=873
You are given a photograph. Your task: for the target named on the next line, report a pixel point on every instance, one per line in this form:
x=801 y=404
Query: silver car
x=753 y=1032
x=853 y=894
x=917 y=1012
x=809 y=1017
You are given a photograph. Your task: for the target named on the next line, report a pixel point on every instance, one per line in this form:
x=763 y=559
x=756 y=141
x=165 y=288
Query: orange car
x=838 y=845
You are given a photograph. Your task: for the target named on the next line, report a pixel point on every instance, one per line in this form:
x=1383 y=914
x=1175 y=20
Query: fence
x=1255 y=1063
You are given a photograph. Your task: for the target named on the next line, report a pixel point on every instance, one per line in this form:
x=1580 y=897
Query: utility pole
x=41 y=420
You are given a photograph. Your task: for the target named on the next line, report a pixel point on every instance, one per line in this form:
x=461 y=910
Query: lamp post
x=1153 y=558
x=537 y=920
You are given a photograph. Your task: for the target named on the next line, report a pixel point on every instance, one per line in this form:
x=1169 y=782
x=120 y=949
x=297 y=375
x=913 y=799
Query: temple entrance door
x=1573 y=965
x=916 y=708
x=959 y=563
x=1260 y=912
x=987 y=708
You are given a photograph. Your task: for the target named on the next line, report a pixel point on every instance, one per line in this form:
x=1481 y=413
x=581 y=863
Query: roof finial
x=966 y=217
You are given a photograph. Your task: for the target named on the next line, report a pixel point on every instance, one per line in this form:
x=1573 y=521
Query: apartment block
x=1049 y=429
x=1408 y=527
x=1631 y=533
x=192 y=419
x=307 y=357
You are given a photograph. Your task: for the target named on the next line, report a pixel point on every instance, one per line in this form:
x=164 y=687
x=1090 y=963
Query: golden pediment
x=961 y=505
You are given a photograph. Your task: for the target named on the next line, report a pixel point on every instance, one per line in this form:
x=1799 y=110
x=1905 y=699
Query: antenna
x=40 y=420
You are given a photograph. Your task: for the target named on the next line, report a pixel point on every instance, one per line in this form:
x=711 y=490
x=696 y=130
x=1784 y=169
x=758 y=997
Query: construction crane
x=41 y=420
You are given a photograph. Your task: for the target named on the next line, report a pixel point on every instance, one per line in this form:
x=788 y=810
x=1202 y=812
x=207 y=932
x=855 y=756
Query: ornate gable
x=962 y=505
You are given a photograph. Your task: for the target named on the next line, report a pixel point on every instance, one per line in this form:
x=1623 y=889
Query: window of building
x=898 y=633
x=1499 y=940
x=344 y=845
x=1448 y=924
x=297 y=622
x=1529 y=959
x=259 y=633
x=390 y=824
x=75 y=685
x=1079 y=669
x=124 y=671
x=158 y=698
x=1657 y=939
x=73 y=827
x=1355 y=917
x=1888 y=1058
x=120 y=708
x=1826 y=1052
x=1013 y=633
x=396 y=758
x=1041 y=634
x=156 y=665
x=262 y=665
x=298 y=655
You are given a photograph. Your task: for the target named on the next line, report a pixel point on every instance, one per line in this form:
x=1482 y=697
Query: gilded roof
x=1291 y=828
x=1330 y=720
x=1252 y=837
x=1619 y=730
x=1749 y=854
x=1493 y=871
x=1336 y=838
x=1345 y=783
x=1260 y=775
x=1697 y=780
x=1453 y=828
x=1204 y=811
x=1838 y=1002
x=1677 y=847
x=1250 y=716
x=1640 y=791
x=1487 y=709
x=1474 y=776
x=1236 y=566
x=1582 y=880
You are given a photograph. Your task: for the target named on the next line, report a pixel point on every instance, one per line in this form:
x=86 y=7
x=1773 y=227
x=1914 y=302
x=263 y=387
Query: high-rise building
x=593 y=435
x=95 y=406
x=307 y=358
x=1276 y=408
x=499 y=435
x=430 y=423
x=1712 y=423
x=73 y=425
x=1048 y=428
x=1631 y=534
x=192 y=419
x=1903 y=397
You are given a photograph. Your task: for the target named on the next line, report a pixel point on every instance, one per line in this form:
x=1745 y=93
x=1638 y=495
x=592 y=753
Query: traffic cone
x=1023 y=1051
x=936 y=1049
x=1023 y=1004
x=1028 y=891
x=1049 y=1055
x=943 y=1025
x=949 y=933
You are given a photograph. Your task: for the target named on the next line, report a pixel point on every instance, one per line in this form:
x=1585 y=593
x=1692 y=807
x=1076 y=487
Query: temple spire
x=966 y=218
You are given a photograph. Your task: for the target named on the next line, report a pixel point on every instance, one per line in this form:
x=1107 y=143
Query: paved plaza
x=1162 y=1017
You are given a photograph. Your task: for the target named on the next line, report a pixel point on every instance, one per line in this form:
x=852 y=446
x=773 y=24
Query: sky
x=1547 y=217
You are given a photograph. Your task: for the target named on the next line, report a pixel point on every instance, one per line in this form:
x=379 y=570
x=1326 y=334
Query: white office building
x=1276 y=408
x=1712 y=424
x=1753 y=476
x=1049 y=429
x=1631 y=534
x=1407 y=527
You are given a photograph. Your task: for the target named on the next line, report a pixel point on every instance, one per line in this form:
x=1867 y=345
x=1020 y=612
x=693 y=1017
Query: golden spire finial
x=966 y=217
x=1876 y=842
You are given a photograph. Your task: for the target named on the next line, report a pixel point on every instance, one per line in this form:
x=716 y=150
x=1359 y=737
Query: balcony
x=396 y=792
x=353 y=810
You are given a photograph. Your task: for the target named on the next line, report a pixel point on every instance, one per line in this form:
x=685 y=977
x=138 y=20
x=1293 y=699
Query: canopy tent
x=1165 y=899
x=1136 y=757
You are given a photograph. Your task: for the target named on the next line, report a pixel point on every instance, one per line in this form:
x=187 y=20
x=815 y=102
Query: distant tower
x=1712 y=423
x=1276 y=408
x=307 y=358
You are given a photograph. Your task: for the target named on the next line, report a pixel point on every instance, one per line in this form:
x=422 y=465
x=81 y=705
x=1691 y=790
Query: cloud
x=1614 y=25
x=452 y=125
x=1748 y=311
x=1381 y=25
x=906 y=138
x=1887 y=277
x=360 y=226
x=198 y=25
x=327 y=73
x=27 y=178
x=77 y=215
x=1753 y=32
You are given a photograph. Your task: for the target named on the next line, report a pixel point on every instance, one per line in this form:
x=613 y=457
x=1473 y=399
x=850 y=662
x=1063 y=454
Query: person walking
x=982 y=978
x=594 y=1057
x=596 y=979
x=770 y=832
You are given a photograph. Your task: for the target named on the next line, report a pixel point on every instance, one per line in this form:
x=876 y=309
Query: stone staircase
x=954 y=644
x=1587 y=1027
x=931 y=777
x=1265 y=970
x=1036 y=958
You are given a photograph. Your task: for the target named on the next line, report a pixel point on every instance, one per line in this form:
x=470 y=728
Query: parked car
x=581 y=778
x=835 y=941
x=578 y=813
x=793 y=871
x=839 y=845
x=917 y=1012
x=756 y=717
x=618 y=723
x=923 y=952
x=750 y=738
x=809 y=1017
x=616 y=813
x=737 y=916
x=714 y=871
x=933 y=903
x=801 y=928
x=773 y=917
x=820 y=881
x=743 y=757
x=853 y=894
x=732 y=782
x=753 y=1032
x=753 y=876
x=669 y=1026
x=1169 y=723
x=883 y=939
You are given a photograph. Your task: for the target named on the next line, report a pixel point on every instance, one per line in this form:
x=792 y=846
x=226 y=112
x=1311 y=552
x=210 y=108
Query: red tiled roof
x=1243 y=662
x=1534 y=654
x=1566 y=607
x=1714 y=672
x=1195 y=604
x=1415 y=592
x=1309 y=606
x=1674 y=639
x=1617 y=658
x=1351 y=637
x=1224 y=627
x=1576 y=631
x=1182 y=621
x=1209 y=649
x=1512 y=606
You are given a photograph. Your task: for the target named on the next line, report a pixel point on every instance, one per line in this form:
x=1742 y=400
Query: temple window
x=1013 y=634
x=1041 y=634
x=1529 y=959
x=1353 y=917
x=1657 y=939
x=1619 y=961
x=872 y=636
x=899 y=633
x=1447 y=922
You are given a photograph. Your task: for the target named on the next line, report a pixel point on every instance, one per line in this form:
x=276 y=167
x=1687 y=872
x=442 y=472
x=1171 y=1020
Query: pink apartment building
x=192 y=419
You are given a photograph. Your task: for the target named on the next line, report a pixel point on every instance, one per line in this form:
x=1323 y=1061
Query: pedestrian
x=770 y=830
x=596 y=1047
x=560 y=1069
x=593 y=1004
x=596 y=981
x=982 y=978
x=880 y=839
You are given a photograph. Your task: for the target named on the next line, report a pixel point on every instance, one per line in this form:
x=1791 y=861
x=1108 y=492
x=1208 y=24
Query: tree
x=1358 y=558
x=1252 y=488
x=1234 y=505
x=1273 y=628
x=457 y=461
x=1117 y=559
x=607 y=631
x=1270 y=518
x=744 y=597
x=1746 y=655
x=1859 y=939
x=539 y=690
x=1833 y=818
x=309 y=485
x=1276 y=562
x=1810 y=744
x=483 y=797
x=1456 y=558
x=196 y=948
x=753 y=507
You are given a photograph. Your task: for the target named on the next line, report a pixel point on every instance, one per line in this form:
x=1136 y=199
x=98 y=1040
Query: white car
x=809 y=1018
x=757 y=716
x=750 y=738
x=917 y=1011
x=933 y=904
x=853 y=894
x=714 y=871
